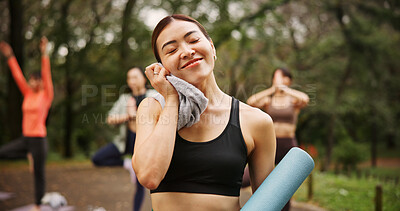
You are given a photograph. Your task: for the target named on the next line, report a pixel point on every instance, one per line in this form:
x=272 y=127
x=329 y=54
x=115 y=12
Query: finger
x=150 y=72
x=157 y=69
x=163 y=72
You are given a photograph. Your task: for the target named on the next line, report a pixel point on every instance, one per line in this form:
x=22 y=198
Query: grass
x=338 y=192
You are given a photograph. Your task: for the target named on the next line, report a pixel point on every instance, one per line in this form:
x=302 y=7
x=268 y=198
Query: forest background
x=344 y=54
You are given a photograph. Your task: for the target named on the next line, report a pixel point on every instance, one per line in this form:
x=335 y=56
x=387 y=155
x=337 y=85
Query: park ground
x=85 y=187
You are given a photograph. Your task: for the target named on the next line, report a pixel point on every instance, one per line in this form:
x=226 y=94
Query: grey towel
x=192 y=102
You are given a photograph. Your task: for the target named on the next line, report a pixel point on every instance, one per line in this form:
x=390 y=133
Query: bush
x=349 y=153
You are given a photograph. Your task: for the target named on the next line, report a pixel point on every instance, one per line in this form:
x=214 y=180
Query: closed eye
x=194 y=41
x=169 y=52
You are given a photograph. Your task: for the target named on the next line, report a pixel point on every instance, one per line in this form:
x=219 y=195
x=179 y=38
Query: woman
x=283 y=104
x=198 y=167
x=123 y=115
x=38 y=95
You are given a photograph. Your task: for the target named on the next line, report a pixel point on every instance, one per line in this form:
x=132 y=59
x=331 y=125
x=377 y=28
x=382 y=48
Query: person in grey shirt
x=123 y=116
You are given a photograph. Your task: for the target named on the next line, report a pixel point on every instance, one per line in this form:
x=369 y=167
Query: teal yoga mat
x=282 y=182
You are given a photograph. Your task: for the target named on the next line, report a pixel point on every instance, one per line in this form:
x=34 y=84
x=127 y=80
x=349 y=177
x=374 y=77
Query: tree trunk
x=68 y=130
x=374 y=143
x=68 y=111
x=330 y=144
x=341 y=87
x=124 y=47
x=14 y=98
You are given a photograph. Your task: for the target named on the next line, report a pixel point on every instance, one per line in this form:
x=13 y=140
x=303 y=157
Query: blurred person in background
x=38 y=95
x=123 y=115
x=283 y=104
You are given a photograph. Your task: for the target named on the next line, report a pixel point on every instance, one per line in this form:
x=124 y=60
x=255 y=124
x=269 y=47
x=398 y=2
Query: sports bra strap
x=234 y=118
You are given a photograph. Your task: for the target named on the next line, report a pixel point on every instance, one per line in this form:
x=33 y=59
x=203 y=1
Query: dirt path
x=84 y=186
x=384 y=162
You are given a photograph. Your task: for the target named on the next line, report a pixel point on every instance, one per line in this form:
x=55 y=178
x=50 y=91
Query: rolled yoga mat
x=282 y=182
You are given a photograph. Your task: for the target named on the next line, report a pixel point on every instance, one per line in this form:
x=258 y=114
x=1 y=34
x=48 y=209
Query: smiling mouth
x=190 y=62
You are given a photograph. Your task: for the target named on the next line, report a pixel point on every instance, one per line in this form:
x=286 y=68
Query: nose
x=187 y=52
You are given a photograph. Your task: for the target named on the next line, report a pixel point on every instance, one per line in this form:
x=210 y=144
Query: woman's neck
x=139 y=91
x=280 y=93
x=212 y=92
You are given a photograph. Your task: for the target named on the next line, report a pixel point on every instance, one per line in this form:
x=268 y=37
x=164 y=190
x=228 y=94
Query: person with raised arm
x=283 y=104
x=38 y=95
x=198 y=166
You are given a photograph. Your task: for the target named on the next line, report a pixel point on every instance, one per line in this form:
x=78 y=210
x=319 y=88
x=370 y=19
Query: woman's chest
x=33 y=102
x=209 y=127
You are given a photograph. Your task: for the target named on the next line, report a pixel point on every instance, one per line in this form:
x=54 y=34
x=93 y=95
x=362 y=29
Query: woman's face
x=185 y=51
x=35 y=84
x=135 y=79
x=280 y=79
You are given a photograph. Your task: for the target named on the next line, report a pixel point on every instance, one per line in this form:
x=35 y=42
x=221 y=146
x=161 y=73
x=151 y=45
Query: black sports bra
x=213 y=167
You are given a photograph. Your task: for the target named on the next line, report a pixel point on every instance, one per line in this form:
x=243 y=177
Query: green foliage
x=349 y=153
x=343 y=193
x=342 y=54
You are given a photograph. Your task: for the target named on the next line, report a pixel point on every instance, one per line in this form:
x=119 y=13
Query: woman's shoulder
x=256 y=125
x=123 y=99
x=124 y=96
x=254 y=117
x=151 y=92
x=150 y=104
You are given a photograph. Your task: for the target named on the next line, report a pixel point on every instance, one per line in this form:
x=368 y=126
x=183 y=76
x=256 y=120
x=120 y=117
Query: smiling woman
x=198 y=167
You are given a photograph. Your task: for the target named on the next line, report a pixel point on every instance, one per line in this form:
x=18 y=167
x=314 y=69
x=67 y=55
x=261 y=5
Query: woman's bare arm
x=301 y=98
x=261 y=131
x=260 y=99
x=155 y=130
x=155 y=140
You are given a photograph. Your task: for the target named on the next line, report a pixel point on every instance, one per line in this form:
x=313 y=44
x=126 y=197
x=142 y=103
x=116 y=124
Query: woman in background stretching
x=38 y=95
x=283 y=104
x=123 y=116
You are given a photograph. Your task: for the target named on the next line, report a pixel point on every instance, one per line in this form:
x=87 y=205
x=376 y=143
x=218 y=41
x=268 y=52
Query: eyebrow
x=174 y=41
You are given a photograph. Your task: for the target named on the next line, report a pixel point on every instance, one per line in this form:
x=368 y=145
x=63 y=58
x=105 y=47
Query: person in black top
x=198 y=167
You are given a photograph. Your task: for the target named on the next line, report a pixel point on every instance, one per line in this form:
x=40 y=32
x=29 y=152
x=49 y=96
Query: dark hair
x=37 y=75
x=138 y=67
x=128 y=89
x=167 y=20
x=285 y=72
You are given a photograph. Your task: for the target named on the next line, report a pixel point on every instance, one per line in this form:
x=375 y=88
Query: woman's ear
x=214 y=51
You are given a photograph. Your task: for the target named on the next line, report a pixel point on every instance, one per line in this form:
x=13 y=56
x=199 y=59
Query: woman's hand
x=43 y=46
x=6 y=50
x=280 y=88
x=262 y=99
x=131 y=108
x=157 y=74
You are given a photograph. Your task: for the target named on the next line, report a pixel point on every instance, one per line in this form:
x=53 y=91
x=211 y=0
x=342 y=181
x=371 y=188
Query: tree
x=14 y=98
